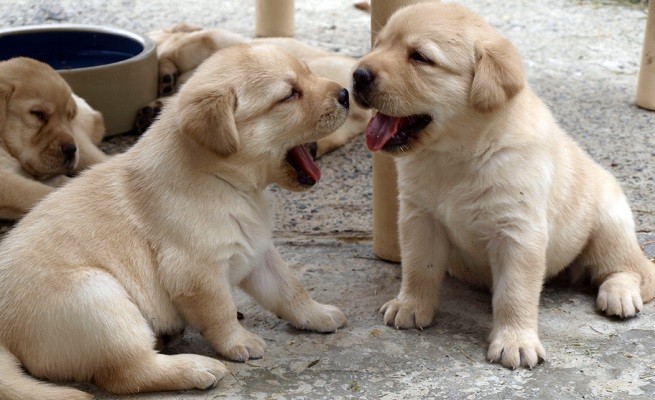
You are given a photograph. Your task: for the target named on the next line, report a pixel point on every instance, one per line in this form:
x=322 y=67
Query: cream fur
x=154 y=239
x=182 y=47
x=492 y=191
x=38 y=115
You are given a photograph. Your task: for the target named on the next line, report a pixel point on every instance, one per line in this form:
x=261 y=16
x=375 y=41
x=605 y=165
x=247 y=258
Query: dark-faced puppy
x=44 y=134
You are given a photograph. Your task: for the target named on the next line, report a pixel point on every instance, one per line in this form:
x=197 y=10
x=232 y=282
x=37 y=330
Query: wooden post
x=274 y=18
x=646 y=84
x=385 y=181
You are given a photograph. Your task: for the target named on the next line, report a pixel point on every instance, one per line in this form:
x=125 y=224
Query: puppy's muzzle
x=363 y=79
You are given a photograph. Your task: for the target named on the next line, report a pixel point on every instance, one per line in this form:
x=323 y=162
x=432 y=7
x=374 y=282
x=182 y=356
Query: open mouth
x=302 y=162
x=394 y=133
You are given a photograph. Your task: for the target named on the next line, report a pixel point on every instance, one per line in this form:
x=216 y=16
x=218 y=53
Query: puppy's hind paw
x=407 y=314
x=243 y=346
x=168 y=74
x=203 y=372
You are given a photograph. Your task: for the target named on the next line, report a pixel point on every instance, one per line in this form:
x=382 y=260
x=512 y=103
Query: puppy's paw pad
x=407 y=314
x=167 y=84
x=514 y=348
x=244 y=346
x=168 y=75
x=619 y=295
x=146 y=116
x=321 y=318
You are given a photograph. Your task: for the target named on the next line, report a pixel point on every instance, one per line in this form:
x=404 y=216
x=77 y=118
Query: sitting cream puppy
x=153 y=239
x=491 y=189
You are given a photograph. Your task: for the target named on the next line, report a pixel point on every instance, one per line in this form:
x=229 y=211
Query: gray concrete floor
x=582 y=57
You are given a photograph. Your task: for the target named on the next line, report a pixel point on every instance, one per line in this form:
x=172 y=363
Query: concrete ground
x=582 y=57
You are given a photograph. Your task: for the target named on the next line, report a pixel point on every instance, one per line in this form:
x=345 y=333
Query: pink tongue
x=303 y=161
x=380 y=129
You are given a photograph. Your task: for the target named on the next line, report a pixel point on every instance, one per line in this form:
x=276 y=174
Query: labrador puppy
x=153 y=239
x=46 y=133
x=182 y=47
x=491 y=189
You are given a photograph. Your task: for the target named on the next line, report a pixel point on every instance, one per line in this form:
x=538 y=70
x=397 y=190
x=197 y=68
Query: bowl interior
x=70 y=49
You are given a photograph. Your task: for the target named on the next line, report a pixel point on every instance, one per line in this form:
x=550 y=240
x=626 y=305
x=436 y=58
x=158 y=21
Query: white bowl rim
x=147 y=43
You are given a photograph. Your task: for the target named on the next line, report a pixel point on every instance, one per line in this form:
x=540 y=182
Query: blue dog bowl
x=114 y=70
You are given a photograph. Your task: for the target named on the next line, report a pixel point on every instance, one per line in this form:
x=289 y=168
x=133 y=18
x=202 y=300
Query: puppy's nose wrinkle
x=68 y=149
x=343 y=98
x=362 y=77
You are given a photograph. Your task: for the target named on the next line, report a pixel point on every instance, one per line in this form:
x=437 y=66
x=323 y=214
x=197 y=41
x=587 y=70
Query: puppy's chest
x=236 y=231
x=468 y=210
x=249 y=246
x=467 y=221
x=250 y=237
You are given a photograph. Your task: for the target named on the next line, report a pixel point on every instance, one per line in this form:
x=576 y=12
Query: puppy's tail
x=16 y=385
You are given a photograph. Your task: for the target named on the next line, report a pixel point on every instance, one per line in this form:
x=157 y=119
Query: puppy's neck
x=165 y=149
x=242 y=176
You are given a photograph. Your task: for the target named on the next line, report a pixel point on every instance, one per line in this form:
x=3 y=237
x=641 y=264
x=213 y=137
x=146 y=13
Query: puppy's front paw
x=408 y=313
x=516 y=347
x=242 y=346
x=620 y=295
x=320 y=318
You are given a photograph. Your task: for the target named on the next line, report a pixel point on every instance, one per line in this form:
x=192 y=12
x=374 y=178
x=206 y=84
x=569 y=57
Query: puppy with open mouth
x=491 y=190
x=154 y=239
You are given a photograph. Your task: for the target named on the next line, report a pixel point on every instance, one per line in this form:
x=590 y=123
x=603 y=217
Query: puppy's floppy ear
x=498 y=75
x=207 y=116
x=6 y=89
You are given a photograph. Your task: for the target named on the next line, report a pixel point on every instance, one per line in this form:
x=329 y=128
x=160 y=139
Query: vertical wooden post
x=385 y=182
x=274 y=18
x=646 y=85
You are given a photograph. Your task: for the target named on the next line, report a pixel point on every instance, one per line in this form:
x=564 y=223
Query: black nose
x=69 y=150
x=362 y=77
x=342 y=97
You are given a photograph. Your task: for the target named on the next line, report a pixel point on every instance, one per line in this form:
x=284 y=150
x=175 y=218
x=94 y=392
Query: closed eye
x=420 y=58
x=40 y=115
x=294 y=94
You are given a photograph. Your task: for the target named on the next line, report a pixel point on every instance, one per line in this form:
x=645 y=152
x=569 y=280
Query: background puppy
x=491 y=189
x=46 y=132
x=154 y=239
x=182 y=47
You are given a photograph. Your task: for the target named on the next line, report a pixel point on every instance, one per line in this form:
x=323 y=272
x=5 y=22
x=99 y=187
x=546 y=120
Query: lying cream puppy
x=46 y=132
x=153 y=239
x=491 y=189
x=182 y=47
